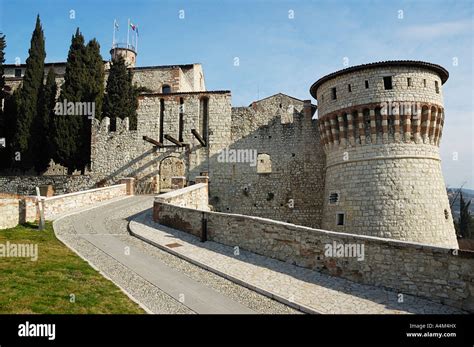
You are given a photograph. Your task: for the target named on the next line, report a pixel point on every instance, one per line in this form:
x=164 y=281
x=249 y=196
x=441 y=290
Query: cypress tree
x=43 y=125
x=83 y=82
x=4 y=160
x=3 y=45
x=75 y=78
x=93 y=93
x=95 y=68
x=28 y=97
x=68 y=134
x=120 y=98
x=465 y=218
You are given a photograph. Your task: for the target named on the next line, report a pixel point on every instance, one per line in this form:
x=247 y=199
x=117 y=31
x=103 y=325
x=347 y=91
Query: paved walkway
x=157 y=280
x=307 y=290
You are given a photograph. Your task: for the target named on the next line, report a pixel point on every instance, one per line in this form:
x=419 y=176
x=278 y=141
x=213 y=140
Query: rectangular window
x=409 y=81
x=387 y=82
x=437 y=87
x=333 y=93
x=333 y=198
x=366 y=84
x=17 y=72
x=349 y=88
x=340 y=219
x=424 y=83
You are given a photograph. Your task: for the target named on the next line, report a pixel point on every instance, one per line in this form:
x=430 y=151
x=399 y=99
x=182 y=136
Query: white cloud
x=435 y=30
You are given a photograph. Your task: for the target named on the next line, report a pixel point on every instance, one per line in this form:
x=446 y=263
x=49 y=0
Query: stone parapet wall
x=21 y=209
x=195 y=201
x=9 y=213
x=58 y=205
x=17 y=210
x=195 y=196
x=440 y=274
x=181 y=218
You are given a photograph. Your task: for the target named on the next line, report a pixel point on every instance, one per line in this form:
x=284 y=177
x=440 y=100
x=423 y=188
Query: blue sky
x=276 y=53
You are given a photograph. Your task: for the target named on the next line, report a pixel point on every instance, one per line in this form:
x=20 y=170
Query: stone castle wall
x=63 y=184
x=376 y=92
x=154 y=79
x=436 y=273
x=382 y=166
x=181 y=78
x=393 y=191
x=124 y=153
x=279 y=127
x=280 y=130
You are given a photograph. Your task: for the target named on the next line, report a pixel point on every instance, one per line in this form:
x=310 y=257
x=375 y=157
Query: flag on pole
x=115 y=29
x=134 y=27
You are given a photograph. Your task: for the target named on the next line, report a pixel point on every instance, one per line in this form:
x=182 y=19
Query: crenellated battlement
x=103 y=126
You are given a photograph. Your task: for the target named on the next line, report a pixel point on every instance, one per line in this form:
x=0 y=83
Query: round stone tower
x=380 y=126
x=128 y=53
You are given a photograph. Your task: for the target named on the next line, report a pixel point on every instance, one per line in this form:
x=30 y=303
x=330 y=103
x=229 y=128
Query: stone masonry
x=381 y=126
x=366 y=165
x=124 y=152
x=281 y=132
x=437 y=273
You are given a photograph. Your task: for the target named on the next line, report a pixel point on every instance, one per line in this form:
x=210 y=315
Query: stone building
x=380 y=127
x=165 y=78
x=369 y=164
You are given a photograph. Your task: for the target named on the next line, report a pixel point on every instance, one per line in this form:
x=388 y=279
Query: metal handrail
x=123 y=45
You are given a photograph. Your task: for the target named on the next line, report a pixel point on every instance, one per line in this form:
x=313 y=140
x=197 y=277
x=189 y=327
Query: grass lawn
x=46 y=285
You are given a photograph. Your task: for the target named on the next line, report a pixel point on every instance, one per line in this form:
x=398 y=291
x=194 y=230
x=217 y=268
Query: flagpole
x=113 y=39
x=128 y=31
x=136 y=40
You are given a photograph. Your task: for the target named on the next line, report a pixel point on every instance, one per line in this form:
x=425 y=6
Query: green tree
x=83 y=83
x=68 y=129
x=95 y=68
x=4 y=156
x=3 y=45
x=93 y=93
x=121 y=96
x=44 y=126
x=465 y=218
x=27 y=107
